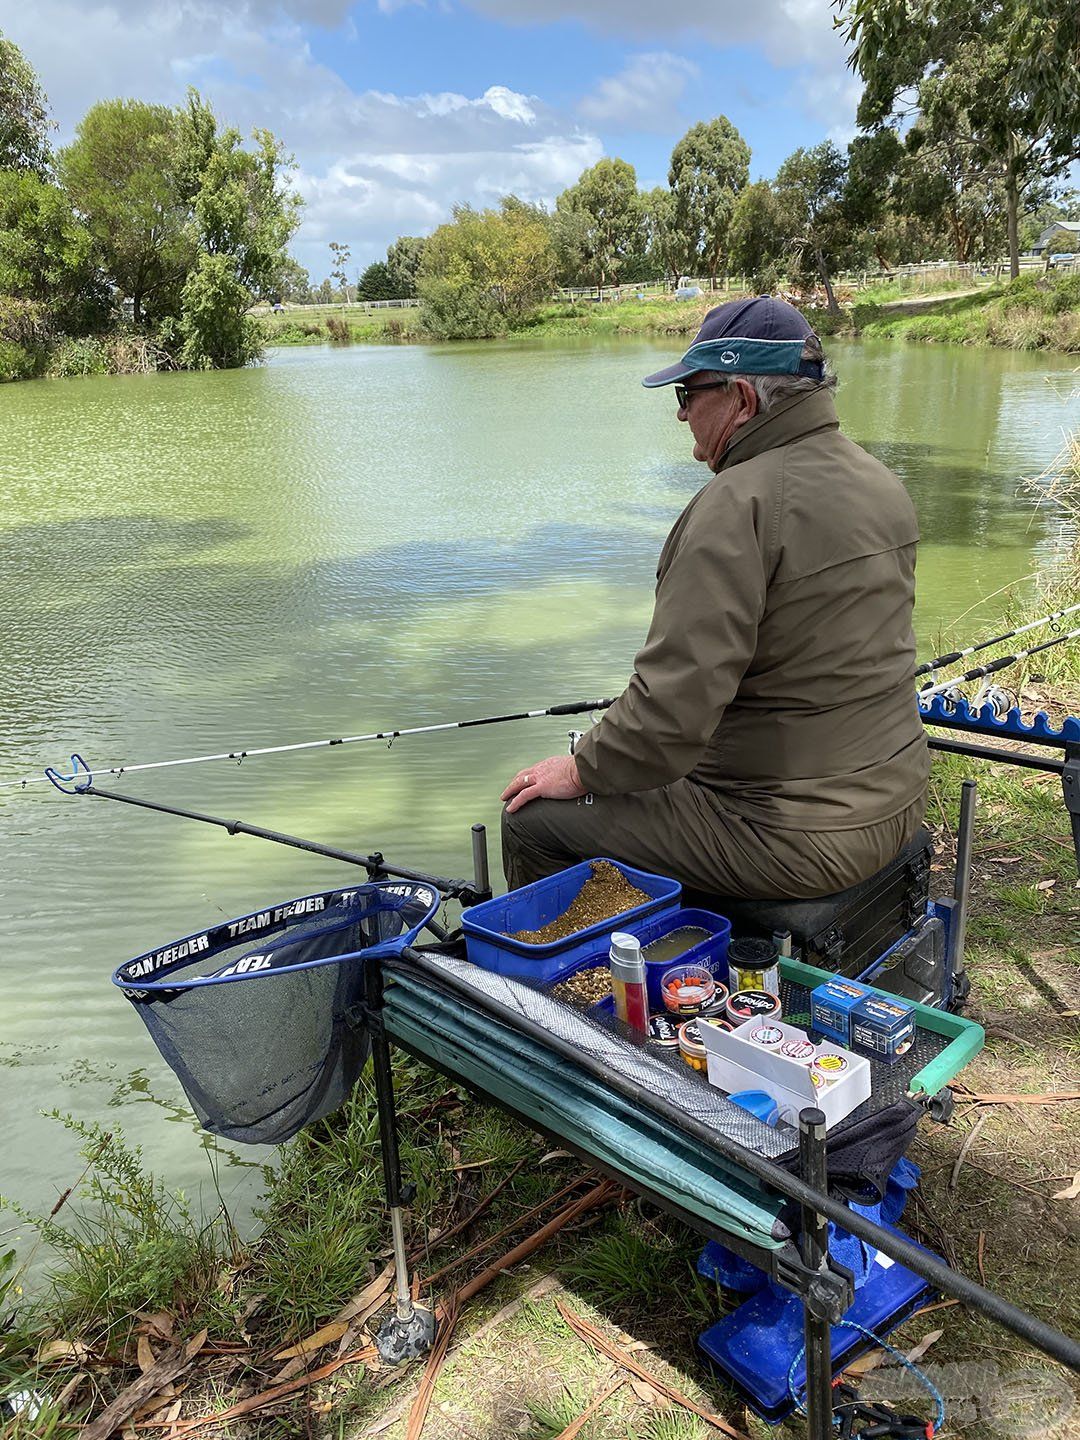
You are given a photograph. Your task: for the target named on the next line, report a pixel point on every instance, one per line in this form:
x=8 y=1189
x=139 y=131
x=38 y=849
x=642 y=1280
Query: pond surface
x=351 y=540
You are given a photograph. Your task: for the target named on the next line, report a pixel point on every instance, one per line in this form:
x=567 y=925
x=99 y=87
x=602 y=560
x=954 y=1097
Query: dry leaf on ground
x=326 y=1336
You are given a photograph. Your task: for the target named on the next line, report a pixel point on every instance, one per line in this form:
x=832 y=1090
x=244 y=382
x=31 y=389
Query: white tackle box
x=737 y=1063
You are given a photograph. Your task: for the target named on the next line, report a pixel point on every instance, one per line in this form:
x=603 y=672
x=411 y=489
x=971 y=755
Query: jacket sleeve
x=709 y=602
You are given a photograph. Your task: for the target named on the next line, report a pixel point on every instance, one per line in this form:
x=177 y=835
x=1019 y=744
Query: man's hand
x=553 y=779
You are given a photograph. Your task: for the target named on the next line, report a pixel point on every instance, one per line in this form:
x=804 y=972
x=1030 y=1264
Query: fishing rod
x=940 y=661
x=576 y=708
x=468 y=892
x=993 y=666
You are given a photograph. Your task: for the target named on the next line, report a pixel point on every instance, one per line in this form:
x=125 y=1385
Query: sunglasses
x=683 y=392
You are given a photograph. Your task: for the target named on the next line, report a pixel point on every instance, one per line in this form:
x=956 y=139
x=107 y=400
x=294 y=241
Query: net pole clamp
x=77 y=783
x=828 y=1293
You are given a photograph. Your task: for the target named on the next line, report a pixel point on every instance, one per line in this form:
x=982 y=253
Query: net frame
x=257 y=1063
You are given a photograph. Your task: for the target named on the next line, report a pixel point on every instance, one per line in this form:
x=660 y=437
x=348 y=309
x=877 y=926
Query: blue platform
x=753 y=1347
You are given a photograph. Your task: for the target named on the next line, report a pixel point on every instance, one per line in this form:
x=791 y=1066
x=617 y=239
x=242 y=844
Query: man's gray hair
x=773 y=390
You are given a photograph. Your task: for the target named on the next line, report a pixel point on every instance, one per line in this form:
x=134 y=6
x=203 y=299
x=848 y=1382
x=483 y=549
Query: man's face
x=715 y=414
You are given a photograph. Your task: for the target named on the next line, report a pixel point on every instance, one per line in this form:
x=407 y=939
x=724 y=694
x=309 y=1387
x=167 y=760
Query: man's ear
x=748 y=400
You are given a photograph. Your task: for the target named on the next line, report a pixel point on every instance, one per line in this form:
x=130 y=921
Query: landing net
x=258 y=1017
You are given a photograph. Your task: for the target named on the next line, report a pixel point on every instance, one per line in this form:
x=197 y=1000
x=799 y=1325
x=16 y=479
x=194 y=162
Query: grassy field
x=136 y=1273
x=1028 y=314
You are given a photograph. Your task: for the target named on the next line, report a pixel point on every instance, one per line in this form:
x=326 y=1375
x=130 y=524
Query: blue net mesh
x=257 y=1017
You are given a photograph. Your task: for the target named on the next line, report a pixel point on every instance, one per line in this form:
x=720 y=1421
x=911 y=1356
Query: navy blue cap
x=760 y=336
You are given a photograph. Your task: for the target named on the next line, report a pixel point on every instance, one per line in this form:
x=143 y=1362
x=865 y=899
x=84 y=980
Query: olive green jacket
x=777 y=670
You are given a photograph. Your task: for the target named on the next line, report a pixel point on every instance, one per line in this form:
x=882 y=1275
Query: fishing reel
x=999 y=700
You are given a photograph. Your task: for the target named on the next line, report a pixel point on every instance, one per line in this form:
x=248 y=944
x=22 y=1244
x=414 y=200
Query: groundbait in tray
x=255 y=1016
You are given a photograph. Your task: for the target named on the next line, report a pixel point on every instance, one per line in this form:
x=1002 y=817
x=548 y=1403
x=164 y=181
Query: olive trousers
x=684 y=831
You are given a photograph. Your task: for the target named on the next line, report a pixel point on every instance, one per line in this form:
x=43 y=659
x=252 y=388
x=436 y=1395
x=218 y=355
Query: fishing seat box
x=849 y=932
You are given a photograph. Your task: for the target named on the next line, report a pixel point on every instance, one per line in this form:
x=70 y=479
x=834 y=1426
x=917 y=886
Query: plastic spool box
x=735 y=1063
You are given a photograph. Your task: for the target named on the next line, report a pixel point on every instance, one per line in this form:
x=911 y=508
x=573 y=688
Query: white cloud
x=643 y=96
x=790 y=32
x=372 y=165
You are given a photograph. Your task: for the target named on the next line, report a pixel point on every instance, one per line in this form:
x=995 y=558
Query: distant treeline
x=145 y=242
x=141 y=245
x=969 y=120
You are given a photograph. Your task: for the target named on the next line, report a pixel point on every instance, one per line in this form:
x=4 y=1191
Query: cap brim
x=678 y=371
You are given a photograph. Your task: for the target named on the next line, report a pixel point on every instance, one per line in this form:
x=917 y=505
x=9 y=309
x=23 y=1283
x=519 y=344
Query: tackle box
x=849 y=932
x=489 y=927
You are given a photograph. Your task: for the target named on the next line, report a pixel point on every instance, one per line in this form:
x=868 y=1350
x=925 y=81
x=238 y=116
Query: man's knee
x=531 y=846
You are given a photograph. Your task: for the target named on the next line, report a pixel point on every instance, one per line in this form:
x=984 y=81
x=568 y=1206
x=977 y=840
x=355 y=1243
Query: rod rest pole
x=817 y=1337
x=373 y=864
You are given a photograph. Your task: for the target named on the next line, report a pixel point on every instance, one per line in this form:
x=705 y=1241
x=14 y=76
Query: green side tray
x=964 y=1038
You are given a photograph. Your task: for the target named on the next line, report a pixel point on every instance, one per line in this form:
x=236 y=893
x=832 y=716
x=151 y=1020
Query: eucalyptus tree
x=757 y=237
x=24 y=114
x=809 y=190
x=241 y=219
x=607 y=227
x=403 y=259
x=710 y=165
x=997 y=79
x=120 y=173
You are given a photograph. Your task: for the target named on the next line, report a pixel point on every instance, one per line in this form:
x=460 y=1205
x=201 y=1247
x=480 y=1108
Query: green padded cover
x=567 y=1102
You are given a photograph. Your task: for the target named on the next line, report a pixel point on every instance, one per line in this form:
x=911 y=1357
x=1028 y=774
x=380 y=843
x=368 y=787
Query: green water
x=349 y=540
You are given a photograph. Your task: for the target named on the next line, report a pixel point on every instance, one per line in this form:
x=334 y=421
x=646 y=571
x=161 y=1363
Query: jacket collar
x=792 y=420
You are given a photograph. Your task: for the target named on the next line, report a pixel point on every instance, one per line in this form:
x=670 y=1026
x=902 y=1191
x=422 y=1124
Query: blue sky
x=397 y=109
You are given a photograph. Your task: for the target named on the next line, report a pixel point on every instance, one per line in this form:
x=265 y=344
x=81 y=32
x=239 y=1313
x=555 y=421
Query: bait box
x=882 y=1028
x=831 y=1007
x=488 y=945
x=711 y=953
x=735 y=1063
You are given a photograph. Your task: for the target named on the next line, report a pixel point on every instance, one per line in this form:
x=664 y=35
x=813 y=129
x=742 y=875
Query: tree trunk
x=136 y=308
x=833 y=307
x=1013 y=199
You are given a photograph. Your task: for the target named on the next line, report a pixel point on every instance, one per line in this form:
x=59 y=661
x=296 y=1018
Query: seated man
x=768 y=743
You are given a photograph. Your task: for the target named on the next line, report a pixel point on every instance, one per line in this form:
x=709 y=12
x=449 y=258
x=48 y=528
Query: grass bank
x=1031 y=313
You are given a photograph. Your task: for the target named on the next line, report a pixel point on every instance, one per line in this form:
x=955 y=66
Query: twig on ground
x=969 y=1140
x=507 y=1230
x=1055 y=1097
x=599 y=1195
x=599 y=1341
x=543 y=1286
x=264 y=1398
x=576 y=1426
x=149 y=1383
x=474 y=1214
x=418 y=1414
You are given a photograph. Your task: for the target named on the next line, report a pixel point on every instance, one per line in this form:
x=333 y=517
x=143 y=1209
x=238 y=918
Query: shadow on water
x=99 y=543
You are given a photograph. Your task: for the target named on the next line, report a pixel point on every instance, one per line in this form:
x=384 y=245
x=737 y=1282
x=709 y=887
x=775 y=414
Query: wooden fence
x=947 y=271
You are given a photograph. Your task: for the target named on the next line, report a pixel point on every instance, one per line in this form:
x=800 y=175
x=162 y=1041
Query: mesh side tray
x=649 y=1068
x=257 y=1017
x=666 y=1074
